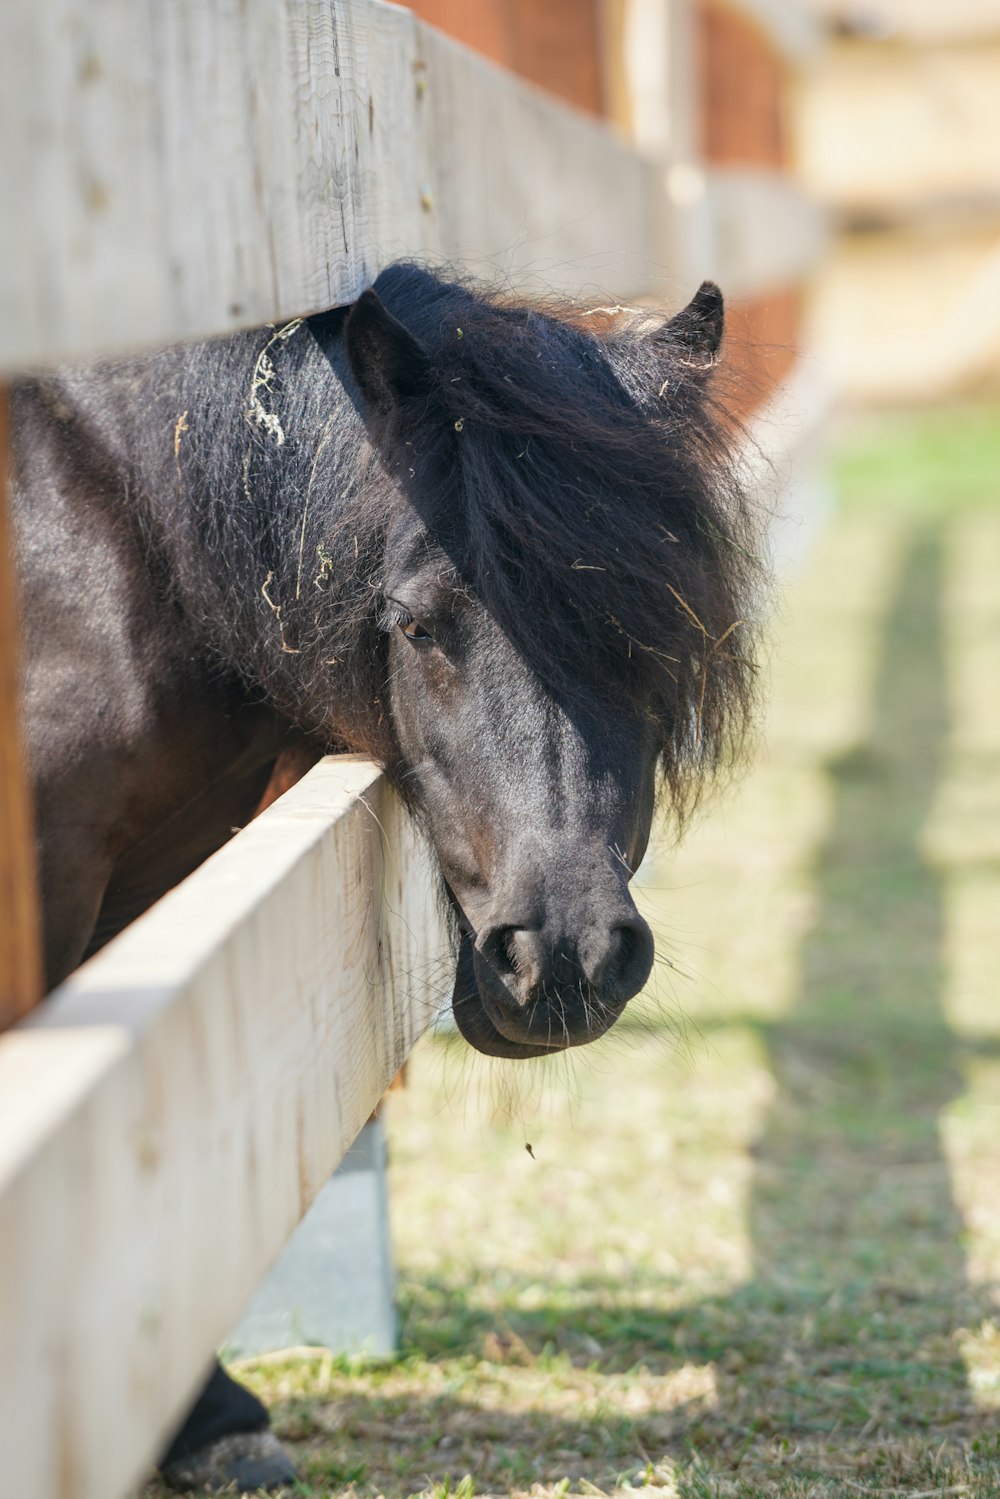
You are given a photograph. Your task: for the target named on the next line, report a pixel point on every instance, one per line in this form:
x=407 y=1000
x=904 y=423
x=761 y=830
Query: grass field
x=754 y=1249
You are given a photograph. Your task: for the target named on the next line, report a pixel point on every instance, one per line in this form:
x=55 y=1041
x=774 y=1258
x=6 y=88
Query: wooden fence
x=167 y=171
x=190 y=168
x=170 y=1113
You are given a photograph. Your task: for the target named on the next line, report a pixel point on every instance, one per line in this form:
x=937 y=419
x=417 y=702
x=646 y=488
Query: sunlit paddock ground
x=755 y=1247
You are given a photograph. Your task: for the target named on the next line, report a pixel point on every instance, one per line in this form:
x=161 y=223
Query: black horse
x=501 y=550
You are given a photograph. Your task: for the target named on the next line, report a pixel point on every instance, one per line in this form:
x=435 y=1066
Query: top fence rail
x=176 y=171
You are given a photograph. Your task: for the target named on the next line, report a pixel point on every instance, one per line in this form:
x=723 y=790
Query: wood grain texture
x=20 y=953
x=171 y=171
x=171 y=1112
x=582 y=222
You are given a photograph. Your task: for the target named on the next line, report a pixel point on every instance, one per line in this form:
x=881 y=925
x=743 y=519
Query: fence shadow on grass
x=853 y=1220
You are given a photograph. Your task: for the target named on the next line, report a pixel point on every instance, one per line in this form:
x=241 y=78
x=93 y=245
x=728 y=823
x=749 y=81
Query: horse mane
x=606 y=528
x=584 y=464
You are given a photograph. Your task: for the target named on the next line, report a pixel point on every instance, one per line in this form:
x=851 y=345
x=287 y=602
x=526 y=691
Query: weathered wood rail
x=171 y=171
x=169 y=1114
x=191 y=168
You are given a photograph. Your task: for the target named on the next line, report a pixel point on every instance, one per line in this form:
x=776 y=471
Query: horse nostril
x=499 y=948
x=626 y=962
x=614 y=962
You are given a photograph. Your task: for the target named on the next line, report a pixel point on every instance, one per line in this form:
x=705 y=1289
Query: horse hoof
x=245 y=1461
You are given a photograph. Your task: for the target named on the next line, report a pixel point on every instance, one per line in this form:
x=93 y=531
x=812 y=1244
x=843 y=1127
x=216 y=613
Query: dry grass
x=755 y=1250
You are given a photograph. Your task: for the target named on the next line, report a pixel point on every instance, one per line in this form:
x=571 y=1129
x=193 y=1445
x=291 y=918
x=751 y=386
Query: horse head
x=564 y=577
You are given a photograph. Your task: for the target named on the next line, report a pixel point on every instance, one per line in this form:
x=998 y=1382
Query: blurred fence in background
x=898 y=124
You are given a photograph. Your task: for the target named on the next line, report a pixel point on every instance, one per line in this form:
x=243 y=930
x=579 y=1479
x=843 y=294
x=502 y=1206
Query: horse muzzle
x=521 y=993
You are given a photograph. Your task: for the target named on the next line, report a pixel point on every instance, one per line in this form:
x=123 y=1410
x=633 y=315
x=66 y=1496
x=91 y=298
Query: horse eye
x=414 y=630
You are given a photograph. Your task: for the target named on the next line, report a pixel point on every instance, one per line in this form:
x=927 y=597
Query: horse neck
x=275 y=513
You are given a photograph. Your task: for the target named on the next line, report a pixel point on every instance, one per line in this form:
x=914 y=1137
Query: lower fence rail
x=167 y=1117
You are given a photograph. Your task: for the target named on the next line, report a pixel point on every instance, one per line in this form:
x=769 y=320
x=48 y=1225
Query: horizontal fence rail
x=170 y=1113
x=176 y=171
x=172 y=171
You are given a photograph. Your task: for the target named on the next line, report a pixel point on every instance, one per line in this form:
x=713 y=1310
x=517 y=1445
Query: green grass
x=756 y=1249
x=933 y=463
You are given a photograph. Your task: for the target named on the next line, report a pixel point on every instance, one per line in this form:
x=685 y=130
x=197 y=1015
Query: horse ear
x=697 y=328
x=388 y=363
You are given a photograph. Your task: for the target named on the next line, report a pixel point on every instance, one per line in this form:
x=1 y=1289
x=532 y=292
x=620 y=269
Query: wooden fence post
x=20 y=962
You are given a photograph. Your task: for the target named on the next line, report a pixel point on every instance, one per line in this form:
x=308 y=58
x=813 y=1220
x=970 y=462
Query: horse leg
x=226 y=1439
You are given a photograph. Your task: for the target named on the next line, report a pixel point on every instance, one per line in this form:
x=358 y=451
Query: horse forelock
x=602 y=520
